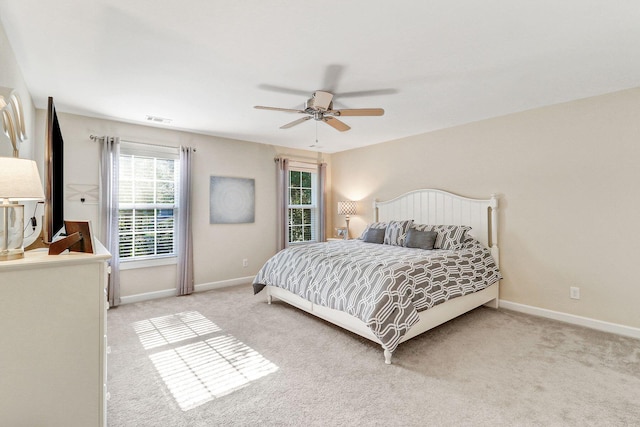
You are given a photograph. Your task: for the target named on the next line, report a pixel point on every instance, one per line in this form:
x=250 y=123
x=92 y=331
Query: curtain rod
x=101 y=138
x=300 y=159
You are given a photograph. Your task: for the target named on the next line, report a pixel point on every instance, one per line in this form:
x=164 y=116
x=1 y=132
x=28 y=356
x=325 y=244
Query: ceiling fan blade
x=286 y=110
x=295 y=122
x=280 y=89
x=332 y=75
x=360 y=93
x=359 y=112
x=336 y=124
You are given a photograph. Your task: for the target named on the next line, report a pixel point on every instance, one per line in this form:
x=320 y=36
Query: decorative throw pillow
x=420 y=239
x=396 y=232
x=450 y=237
x=375 y=225
x=375 y=235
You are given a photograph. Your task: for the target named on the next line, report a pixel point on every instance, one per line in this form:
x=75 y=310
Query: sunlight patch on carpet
x=174 y=328
x=200 y=372
x=203 y=370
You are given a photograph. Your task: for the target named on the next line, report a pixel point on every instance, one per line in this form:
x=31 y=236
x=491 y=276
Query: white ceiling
x=430 y=64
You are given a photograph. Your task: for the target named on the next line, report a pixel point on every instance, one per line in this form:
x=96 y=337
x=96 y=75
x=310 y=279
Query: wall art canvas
x=231 y=200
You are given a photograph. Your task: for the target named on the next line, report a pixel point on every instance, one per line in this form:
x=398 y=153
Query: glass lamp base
x=11 y=231
x=10 y=254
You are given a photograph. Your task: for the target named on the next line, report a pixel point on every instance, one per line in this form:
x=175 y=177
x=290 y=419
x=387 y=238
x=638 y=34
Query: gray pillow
x=450 y=237
x=420 y=239
x=381 y=225
x=374 y=235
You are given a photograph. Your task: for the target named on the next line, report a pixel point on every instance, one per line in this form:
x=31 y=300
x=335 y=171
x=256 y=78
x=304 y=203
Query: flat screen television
x=54 y=185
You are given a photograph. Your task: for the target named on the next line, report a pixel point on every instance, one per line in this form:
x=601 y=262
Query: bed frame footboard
x=429 y=319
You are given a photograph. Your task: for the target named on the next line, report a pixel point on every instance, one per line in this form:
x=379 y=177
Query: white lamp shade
x=19 y=179
x=347 y=207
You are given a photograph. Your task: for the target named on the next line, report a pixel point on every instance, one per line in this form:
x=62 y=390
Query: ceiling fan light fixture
x=321 y=100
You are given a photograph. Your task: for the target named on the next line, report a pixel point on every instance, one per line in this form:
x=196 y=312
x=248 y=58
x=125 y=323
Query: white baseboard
x=130 y=299
x=600 y=325
x=224 y=283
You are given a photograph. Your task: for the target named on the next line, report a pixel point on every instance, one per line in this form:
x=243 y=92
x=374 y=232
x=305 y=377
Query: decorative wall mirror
x=12 y=130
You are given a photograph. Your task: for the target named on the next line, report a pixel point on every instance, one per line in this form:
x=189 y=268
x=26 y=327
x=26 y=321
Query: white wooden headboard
x=438 y=207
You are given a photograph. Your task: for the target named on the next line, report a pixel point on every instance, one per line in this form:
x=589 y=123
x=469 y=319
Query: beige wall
x=568 y=176
x=218 y=248
x=11 y=77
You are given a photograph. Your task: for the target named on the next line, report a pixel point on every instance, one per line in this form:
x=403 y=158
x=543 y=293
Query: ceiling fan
x=320 y=107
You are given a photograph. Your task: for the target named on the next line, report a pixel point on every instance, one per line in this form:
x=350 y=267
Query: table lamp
x=347 y=207
x=19 y=180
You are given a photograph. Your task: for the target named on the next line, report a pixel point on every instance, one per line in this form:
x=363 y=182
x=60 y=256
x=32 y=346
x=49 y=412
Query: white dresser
x=53 y=339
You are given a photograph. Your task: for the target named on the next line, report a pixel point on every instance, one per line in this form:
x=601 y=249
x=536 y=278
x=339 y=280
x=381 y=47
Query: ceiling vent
x=155 y=119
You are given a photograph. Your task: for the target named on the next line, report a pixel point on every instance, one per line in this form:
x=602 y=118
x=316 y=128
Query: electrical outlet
x=574 y=292
x=245 y=262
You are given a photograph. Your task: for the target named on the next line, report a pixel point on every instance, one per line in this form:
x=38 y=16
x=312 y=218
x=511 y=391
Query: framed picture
x=78 y=237
x=341 y=232
x=231 y=200
x=84 y=228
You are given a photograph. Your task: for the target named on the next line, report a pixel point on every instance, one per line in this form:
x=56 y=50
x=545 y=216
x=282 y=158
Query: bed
x=387 y=292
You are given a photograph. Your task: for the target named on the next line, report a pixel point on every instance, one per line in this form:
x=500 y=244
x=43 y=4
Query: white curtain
x=282 y=202
x=322 y=204
x=109 y=176
x=185 y=236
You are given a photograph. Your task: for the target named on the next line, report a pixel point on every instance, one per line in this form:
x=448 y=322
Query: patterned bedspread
x=384 y=286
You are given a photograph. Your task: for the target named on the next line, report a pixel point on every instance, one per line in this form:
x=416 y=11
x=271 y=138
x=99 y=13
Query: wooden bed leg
x=269 y=298
x=387 y=357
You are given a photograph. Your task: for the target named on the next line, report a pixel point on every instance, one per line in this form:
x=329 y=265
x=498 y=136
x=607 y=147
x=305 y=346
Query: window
x=303 y=205
x=147 y=201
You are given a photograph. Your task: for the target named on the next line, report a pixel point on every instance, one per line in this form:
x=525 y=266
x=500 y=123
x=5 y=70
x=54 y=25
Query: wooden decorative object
x=79 y=238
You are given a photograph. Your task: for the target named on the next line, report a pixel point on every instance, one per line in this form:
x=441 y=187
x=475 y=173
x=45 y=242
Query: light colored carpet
x=226 y=358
